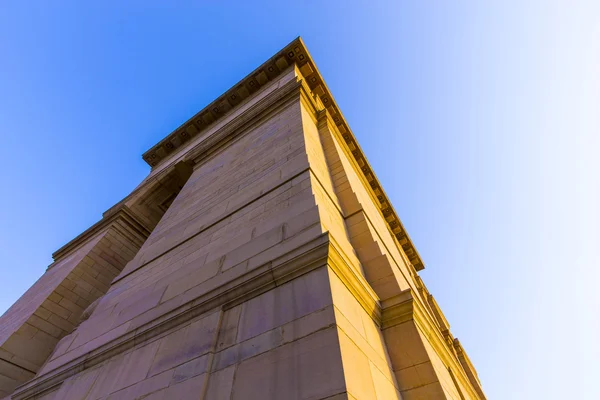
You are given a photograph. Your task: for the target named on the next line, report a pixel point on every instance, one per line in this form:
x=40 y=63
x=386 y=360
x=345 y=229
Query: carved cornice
x=244 y=122
x=461 y=352
x=235 y=96
x=354 y=282
x=121 y=218
x=468 y=367
x=294 y=53
x=406 y=307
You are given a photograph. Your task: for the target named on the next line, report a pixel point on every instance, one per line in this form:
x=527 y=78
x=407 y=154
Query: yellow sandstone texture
x=260 y=259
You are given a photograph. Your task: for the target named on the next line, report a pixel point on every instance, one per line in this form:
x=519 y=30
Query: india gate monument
x=259 y=259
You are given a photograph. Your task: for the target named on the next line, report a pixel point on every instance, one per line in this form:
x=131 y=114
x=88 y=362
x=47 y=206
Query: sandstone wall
x=271 y=272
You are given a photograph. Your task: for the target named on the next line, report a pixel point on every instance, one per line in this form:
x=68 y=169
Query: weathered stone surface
x=260 y=259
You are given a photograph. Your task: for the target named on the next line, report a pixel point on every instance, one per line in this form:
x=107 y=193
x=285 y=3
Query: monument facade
x=259 y=259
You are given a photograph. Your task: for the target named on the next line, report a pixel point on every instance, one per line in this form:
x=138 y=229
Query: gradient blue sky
x=481 y=119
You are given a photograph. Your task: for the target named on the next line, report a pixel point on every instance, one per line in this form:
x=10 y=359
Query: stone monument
x=259 y=259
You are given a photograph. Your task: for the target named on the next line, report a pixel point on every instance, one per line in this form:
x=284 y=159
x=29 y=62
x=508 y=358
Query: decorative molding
x=246 y=121
x=305 y=258
x=203 y=229
x=400 y=309
x=233 y=97
x=404 y=308
x=316 y=253
x=121 y=218
x=468 y=367
x=354 y=282
x=294 y=53
x=437 y=312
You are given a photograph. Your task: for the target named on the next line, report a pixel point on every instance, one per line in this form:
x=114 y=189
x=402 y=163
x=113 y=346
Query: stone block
x=78 y=387
x=357 y=370
x=144 y=304
x=154 y=386
x=416 y=376
x=346 y=303
x=229 y=327
x=368 y=348
x=405 y=346
x=190 y=369
x=185 y=344
x=433 y=391
x=220 y=384
x=308 y=324
x=283 y=304
x=249 y=348
x=269 y=340
x=190 y=389
x=304 y=369
x=384 y=388
x=134 y=368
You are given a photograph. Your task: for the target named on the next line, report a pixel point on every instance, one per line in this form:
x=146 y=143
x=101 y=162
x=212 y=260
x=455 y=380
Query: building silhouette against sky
x=259 y=259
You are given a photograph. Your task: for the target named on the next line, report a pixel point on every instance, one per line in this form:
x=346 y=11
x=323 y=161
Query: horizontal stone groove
x=245 y=122
x=230 y=294
x=119 y=278
x=132 y=227
x=17 y=365
x=209 y=114
x=320 y=97
x=223 y=136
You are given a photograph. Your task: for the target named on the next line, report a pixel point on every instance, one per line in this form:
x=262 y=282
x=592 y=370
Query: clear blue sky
x=481 y=119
